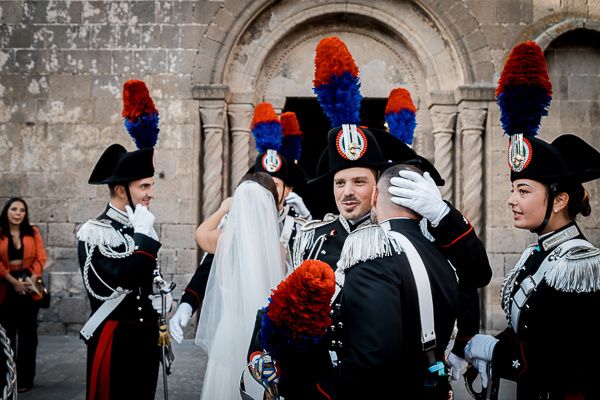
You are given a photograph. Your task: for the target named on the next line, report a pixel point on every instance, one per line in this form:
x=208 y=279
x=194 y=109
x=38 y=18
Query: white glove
x=458 y=366
x=157 y=302
x=482 y=368
x=481 y=347
x=142 y=219
x=294 y=200
x=420 y=194
x=180 y=320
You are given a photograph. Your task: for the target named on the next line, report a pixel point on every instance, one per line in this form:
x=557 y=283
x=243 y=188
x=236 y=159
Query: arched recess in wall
x=273 y=58
x=256 y=55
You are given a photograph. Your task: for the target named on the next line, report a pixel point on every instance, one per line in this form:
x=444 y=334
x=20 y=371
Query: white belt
x=101 y=314
x=423 y=290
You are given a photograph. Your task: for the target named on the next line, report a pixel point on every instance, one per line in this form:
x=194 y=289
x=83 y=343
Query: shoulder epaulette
x=578 y=270
x=317 y=223
x=365 y=243
x=100 y=233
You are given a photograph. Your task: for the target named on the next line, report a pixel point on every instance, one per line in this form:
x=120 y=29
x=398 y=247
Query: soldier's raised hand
x=142 y=219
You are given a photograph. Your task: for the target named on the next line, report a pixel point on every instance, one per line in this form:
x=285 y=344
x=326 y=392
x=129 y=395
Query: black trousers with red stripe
x=133 y=362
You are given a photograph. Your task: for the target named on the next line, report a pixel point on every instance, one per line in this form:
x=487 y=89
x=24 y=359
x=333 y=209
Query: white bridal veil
x=247 y=265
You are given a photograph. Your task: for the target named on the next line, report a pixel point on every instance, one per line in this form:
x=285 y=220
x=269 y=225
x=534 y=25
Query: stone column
x=472 y=105
x=213 y=104
x=240 y=118
x=472 y=126
x=443 y=113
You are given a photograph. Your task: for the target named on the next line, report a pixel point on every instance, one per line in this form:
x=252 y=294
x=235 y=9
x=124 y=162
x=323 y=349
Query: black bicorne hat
x=567 y=159
x=116 y=164
x=397 y=152
x=122 y=167
x=348 y=146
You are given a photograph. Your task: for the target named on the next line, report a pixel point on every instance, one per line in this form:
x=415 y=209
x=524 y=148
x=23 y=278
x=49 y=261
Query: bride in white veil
x=247 y=265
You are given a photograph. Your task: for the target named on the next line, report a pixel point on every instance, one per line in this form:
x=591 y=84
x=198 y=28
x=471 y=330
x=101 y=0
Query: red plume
x=136 y=100
x=290 y=125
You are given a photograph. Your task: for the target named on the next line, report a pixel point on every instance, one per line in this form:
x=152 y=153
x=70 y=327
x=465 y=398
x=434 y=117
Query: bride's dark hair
x=263 y=179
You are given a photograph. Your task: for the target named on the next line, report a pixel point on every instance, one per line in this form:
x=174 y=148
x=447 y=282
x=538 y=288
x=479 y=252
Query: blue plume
x=340 y=99
x=143 y=130
x=402 y=125
x=522 y=108
x=291 y=148
x=267 y=136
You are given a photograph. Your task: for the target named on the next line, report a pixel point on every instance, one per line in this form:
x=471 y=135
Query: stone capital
x=443 y=119
x=240 y=117
x=472 y=120
x=212 y=116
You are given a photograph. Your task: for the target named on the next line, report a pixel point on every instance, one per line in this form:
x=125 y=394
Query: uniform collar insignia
x=556 y=238
x=113 y=213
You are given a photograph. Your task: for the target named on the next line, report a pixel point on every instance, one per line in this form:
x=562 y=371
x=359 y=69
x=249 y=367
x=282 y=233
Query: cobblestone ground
x=61 y=372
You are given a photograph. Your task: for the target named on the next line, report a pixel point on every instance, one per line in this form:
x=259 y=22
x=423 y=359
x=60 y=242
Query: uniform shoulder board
x=365 y=243
x=100 y=233
x=317 y=223
x=578 y=270
x=330 y=217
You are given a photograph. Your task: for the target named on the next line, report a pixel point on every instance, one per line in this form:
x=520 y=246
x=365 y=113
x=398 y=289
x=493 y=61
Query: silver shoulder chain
x=509 y=282
x=109 y=253
x=11 y=369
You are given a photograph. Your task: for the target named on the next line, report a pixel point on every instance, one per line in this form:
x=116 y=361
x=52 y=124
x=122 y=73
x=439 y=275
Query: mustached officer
x=118 y=261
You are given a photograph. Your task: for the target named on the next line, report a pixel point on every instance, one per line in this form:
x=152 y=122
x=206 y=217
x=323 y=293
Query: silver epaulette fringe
x=364 y=244
x=99 y=233
x=577 y=271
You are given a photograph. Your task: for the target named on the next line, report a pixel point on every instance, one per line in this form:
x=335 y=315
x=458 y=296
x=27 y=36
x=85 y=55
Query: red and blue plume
x=141 y=117
x=291 y=147
x=524 y=90
x=266 y=128
x=400 y=115
x=336 y=82
x=297 y=316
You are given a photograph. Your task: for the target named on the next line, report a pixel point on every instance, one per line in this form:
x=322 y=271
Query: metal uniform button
x=340 y=325
x=333 y=343
x=323 y=252
x=137 y=297
x=141 y=319
x=139 y=308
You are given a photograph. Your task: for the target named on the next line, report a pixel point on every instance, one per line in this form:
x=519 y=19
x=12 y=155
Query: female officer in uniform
x=551 y=296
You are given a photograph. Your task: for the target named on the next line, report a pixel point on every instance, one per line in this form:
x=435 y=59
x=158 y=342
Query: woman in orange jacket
x=22 y=259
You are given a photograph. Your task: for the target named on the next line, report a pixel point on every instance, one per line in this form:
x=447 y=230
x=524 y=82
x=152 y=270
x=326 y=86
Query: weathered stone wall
x=62 y=64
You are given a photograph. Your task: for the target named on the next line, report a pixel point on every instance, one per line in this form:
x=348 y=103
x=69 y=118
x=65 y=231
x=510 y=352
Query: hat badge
x=351 y=142
x=519 y=153
x=271 y=161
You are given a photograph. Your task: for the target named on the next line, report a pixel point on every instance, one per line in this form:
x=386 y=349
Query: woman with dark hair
x=552 y=296
x=22 y=260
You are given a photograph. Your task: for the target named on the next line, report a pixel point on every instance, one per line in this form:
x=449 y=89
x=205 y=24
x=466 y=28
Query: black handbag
x=42 y=297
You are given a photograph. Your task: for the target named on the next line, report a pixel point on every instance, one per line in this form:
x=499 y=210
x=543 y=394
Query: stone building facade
x=207 y=63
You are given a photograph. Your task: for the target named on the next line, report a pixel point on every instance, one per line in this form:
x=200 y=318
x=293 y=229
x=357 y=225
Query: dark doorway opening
x=315 y=126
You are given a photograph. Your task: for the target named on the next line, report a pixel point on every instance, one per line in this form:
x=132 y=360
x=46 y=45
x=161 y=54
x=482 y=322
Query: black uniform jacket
x=134 y=340
x=555 y=348
x=456 y=238
x=327 y=241
x=381 y=351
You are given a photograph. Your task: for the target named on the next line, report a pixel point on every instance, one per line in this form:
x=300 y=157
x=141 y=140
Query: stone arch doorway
x=272 y=60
